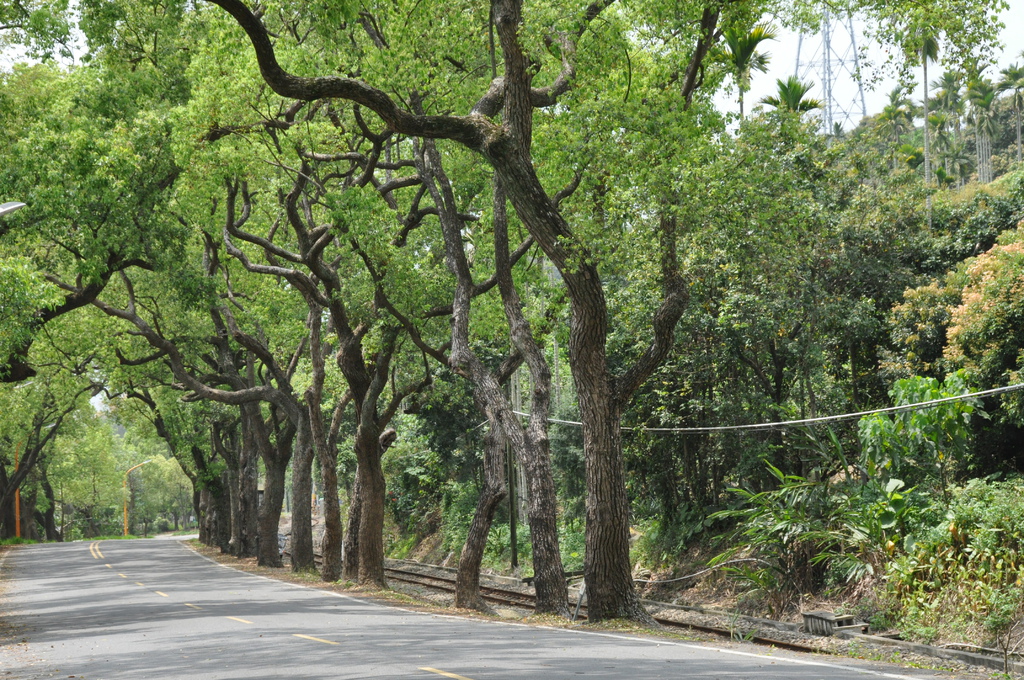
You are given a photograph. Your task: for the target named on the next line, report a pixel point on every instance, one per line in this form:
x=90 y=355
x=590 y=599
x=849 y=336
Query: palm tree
x=958 y=161
x=895 y=119
x=927 y=49
x=791 y=96
x=949 y=99
x=743 y=55
x=1013 y=82
x=982 y=95
x=940 y=124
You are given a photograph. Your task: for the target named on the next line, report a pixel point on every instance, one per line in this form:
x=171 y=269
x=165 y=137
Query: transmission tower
x=835 y=64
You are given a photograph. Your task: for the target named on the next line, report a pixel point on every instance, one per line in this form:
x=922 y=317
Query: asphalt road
x=143 y=609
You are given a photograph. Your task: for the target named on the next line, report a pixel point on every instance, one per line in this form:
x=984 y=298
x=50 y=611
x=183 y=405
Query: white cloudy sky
x=783 y=54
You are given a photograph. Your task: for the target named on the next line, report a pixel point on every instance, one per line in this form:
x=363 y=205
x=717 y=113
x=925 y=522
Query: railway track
x=514 y=598
x=447 y=584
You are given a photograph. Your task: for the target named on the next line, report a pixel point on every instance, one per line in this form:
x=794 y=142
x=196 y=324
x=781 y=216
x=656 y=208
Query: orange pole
x=17 y=496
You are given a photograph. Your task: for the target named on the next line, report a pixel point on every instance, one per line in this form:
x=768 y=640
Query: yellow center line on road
x=444 y=673
x=194 y=606
x=94 y=550
x=109 y=567
x=122 y=576
x=235 y=618
x=315 y=639
x=161 y=594
x=140 y=584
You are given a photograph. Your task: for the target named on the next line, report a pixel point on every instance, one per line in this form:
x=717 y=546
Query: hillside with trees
x=504 y=287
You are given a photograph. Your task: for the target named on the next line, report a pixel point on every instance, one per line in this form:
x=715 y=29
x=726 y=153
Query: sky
x=783 y=53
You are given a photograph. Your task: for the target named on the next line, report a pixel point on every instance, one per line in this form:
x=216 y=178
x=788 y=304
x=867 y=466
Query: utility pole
x=835 y=60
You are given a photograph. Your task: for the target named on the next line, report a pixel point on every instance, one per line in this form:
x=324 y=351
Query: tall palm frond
x=741 y=51
x=895 y=119
x=791 y=97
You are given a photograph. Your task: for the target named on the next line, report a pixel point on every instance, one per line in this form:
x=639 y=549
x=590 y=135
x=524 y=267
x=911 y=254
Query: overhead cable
x=806 y=421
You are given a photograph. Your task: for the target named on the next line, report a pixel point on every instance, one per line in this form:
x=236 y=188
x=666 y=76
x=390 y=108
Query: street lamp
x=8 y=208
x=126 y=492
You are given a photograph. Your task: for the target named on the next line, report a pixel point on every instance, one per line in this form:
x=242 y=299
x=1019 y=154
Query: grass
x=17 y=541
x=114 y=537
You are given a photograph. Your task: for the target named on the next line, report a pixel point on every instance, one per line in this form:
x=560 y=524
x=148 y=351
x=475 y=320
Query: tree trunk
x=534 y=449
x=275 y=463
x=302 y=492
x=549 y=576
x=235 y=515
x=467 y=580
x=47 y=519
x=331 y=567
x=609 y=581
x=248 y=490
x=198 y=510
x=6 y=506
x=222 y=515
x=530 y=445
x=610 y=590
x=205 y=513
x=1017 y=111
x=371 y=511
x=350 y=546
x=29 y=526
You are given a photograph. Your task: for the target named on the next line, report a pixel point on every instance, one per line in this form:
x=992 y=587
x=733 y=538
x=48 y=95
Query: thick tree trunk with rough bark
x=467 y=580
x=371 y=511
x=248 y=490
x=534 y=453
x=222 y=516
x=198 y=511
x=275 y=463
x=331 y=566
x=302 y=493
x=548 y=573
x=350 y=545
x=47 y=517
x=610 y=591
x=235 y=517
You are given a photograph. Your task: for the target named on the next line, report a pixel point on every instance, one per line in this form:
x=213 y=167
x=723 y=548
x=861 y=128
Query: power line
x=806 y=421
